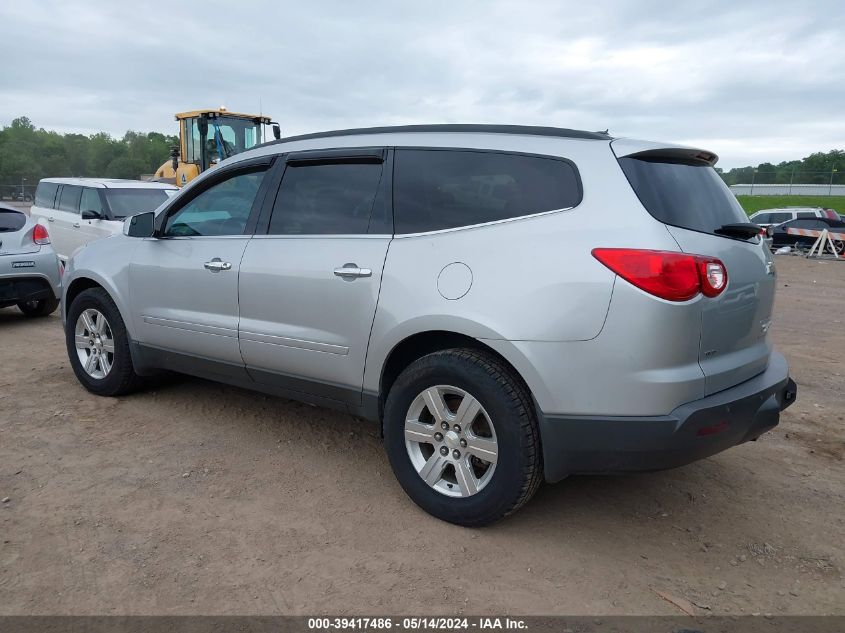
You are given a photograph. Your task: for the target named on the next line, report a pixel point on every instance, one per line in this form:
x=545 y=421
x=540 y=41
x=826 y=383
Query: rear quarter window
x=437 y=189
x=45 y=194
x=686 y=194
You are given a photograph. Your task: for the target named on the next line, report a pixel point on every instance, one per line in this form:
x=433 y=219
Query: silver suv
x=509 y=303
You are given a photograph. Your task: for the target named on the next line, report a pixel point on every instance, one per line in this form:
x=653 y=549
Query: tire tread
x=127 y=381
x=522 y=410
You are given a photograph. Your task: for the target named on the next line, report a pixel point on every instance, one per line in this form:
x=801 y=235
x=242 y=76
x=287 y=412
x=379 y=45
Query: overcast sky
x=751 y=81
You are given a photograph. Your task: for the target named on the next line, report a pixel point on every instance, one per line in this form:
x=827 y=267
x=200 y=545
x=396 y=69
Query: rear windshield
x=687 y=194
x=126 y=202
x=11 y=221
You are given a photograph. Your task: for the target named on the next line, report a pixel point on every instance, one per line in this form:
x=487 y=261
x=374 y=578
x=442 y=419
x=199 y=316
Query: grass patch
x=752 y=204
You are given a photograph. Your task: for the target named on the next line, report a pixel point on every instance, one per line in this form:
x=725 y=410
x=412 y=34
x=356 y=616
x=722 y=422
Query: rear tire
x=461 y=488
x=114 y=375
x=38 y=307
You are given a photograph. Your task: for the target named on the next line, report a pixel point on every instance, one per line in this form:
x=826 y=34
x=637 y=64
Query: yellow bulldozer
x=208 y=136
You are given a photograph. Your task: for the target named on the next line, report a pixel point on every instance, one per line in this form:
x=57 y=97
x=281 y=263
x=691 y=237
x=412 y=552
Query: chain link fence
x=17 y=191
x=755 y=182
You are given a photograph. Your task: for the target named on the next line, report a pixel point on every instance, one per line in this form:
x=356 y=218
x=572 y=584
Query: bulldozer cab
x=207 y=137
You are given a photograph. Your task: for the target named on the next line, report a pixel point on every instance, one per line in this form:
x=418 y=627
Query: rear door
x=682 y=190
x=309 y=285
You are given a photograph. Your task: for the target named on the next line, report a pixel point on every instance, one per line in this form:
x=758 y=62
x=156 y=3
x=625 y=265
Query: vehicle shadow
x=619 y=508
x=11 y=317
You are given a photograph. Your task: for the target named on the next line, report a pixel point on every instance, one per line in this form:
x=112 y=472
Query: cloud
x=751 y=81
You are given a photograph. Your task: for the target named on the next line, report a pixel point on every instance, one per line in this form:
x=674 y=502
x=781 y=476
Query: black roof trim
x=533 y=130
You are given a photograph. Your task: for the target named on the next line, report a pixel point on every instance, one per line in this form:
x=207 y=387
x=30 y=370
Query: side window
x=807 y=224
x=91 y=201
x=69 y=198
x=806 y=214
x=45 y=194
x=763 y=218
x=442 y=189
x=781 y=217
x=326 y=199
x=222 y=209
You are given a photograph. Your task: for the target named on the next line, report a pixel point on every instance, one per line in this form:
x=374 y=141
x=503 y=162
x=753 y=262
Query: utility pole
x=753 y=176
x=791 y=179
x=23 y=180
x=830 y=188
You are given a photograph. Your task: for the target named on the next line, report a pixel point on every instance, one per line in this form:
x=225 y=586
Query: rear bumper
x=19 y=289
x=27 y=276
x=698 y=429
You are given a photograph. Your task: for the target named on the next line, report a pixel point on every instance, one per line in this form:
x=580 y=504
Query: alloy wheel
x=94 y=343
x=451 y=441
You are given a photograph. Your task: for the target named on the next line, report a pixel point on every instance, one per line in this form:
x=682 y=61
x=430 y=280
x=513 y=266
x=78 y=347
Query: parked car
x=30 y=277
x=773 y=217
x=781 y=238
x=509 y=303
x=79 y=210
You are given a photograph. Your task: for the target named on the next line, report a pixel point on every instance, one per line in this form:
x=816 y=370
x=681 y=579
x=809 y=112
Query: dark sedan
x=782 y=238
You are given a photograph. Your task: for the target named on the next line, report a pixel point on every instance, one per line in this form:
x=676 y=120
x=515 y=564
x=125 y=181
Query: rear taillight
x=664 y=274
x=713 y=275
x=40 y=235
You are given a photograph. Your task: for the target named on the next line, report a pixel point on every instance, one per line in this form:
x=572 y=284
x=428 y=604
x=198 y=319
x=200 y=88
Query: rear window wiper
x=744 y=230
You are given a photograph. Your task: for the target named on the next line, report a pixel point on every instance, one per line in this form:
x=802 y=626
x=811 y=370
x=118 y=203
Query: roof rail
x=470 y=128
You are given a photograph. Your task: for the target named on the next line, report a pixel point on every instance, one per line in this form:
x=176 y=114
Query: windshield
x=126 y=202
x=226 y=135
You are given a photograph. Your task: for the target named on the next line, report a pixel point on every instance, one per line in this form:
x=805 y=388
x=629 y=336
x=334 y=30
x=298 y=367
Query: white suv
x=773 y=217
x=79 y=210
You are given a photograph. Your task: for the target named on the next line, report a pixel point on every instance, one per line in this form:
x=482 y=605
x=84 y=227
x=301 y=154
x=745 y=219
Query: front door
x=91 y=230
x=309 y=286
x=184 y=281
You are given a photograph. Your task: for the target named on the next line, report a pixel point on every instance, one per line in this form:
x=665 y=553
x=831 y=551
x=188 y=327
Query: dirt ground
x=200 y=498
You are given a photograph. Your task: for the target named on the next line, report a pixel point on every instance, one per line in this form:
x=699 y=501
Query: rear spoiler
x=626 y=147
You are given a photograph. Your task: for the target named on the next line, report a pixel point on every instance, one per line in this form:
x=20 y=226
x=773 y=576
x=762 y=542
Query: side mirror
x=174 y=158
x=141 y=225
x=90 y=214
x=277 y=131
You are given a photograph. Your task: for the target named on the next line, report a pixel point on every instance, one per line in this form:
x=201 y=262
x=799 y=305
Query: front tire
x=98 y=345
x=38 y=307
x=462 y=437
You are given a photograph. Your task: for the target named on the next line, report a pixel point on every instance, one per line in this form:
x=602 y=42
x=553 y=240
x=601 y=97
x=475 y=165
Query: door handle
x=352 y=271
x=216 y=265
x=76 y=225
x=51 y=219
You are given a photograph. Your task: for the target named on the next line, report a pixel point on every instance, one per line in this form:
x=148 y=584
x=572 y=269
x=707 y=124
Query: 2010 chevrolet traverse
x=510 y=303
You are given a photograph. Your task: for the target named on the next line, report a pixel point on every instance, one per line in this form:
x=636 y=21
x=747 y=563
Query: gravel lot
x=200 y=498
